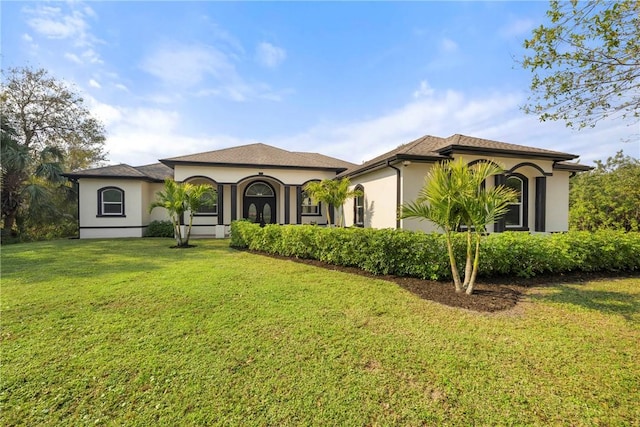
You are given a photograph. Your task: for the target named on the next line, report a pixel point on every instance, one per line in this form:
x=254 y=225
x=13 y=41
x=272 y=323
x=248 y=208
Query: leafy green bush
x=416 y=254
x=159 y=229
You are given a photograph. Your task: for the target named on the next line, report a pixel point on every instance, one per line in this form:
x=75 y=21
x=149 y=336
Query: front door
x=259 y=203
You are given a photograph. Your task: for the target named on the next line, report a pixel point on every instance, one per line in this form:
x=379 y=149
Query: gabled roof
x=433 y=148
x=258 y=154
x=156 y=172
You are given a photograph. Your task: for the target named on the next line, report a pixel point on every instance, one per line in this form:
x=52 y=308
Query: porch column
x=220 y=205
x=234 y=202
x=541 y=203
x=287 y=203
x=298 y=204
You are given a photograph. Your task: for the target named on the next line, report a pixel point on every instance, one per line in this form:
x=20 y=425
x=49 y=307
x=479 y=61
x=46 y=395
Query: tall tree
x=607 y=197
x=454 y=196
x=46 y=128
x=585 y=62
x=179 y=198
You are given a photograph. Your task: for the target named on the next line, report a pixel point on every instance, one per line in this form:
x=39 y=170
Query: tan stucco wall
x=235 y=174
x=380 y=189
x=380 y=192
x=558 y=201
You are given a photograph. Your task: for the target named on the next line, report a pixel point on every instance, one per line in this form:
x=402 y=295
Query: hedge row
x=416 y=254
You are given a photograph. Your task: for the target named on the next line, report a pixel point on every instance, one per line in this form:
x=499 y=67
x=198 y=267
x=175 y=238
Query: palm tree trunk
x=186 y=242
x=476 y=262
x=452 y=261
x=468 y=265
x=176 y=230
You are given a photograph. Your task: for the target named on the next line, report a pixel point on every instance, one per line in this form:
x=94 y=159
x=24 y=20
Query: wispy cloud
x=424 y=90
x=270 y=56
x=93 y=83
x=70 y=21
x=448 y=45
x=203 y=70
x=517 y=27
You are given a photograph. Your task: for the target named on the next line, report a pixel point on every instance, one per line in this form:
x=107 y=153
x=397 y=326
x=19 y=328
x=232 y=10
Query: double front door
x=259 y=203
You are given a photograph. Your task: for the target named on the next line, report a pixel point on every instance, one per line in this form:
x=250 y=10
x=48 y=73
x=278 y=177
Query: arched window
x=516 y=217
x=259 y=189
x=358 y=207
x=110 y=201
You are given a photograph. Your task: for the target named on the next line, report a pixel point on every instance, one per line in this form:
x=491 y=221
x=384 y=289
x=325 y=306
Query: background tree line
x=46 y=130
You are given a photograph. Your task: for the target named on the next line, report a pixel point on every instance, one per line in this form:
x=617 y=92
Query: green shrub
x=417 y=254
x=159 y=229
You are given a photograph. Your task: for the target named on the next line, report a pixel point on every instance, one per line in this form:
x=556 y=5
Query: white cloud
x=70 y=23
x=270 y=56
x=121 y=87
x=94 y=84
x=444 y=113
x=187 y=65
x=448 y=45
x=73 y=58
x=517 y=27
x=26 y=37
x=424 y=90
x=202 y=70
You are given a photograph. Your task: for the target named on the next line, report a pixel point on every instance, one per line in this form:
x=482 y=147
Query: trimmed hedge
x=159 y=229
x=416 y=254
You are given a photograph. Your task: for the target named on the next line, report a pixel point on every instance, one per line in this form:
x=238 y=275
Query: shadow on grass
x=609 y=302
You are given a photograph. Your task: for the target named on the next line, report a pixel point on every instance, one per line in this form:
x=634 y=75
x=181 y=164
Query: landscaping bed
x=490 y=294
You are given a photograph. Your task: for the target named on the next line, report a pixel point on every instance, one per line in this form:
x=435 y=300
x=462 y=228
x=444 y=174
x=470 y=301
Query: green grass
x=131 y=332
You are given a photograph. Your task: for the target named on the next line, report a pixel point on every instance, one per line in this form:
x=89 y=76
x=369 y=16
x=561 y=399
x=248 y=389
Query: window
x=209 y=205
x=516 y=216
x=358 y=207
x=110 y=201
x=309 y=205
x=259 y=189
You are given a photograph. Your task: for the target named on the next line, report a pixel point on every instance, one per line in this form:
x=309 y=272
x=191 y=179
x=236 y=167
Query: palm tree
x=177 y=199
x=453 y=195
x=332 y=193
x=29 y=179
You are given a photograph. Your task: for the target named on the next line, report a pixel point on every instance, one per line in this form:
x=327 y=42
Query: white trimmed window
x=358 y=208
x=514 y=217
x=110 y=201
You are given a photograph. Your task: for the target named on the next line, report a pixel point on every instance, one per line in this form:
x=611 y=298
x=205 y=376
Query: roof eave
x=506 y=153
x=392 y=160
x=173 y=163
x=74 y=176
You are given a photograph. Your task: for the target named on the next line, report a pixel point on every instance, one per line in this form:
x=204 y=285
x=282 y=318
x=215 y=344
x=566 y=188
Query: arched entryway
x=259 y=203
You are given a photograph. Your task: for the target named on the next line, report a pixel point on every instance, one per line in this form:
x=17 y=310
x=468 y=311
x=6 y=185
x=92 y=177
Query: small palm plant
x=453 y=196
x=332 y=193
x=179 y=198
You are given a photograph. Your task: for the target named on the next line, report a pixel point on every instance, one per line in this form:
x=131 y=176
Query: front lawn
x=131 y=332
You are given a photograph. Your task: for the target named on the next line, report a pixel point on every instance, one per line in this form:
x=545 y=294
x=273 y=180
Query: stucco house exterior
x=266 y=183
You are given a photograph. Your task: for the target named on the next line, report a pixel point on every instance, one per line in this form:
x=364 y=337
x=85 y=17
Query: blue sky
x=350 y=80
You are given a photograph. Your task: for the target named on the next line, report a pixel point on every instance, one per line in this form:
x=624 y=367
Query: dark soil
x=490 y=294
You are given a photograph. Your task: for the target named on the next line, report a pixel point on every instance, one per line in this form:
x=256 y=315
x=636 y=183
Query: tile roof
x=434 y=148
x=261 y=155
x=153 y=172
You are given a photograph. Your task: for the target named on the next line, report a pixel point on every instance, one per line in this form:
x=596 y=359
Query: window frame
x=523 y=203
x=212 y=212
x=358 y=208
x=101 y=203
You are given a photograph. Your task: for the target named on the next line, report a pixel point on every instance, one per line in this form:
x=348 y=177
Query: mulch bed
x=490 y=294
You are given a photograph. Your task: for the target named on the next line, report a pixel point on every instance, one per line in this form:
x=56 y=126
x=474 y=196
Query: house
x=265 y=183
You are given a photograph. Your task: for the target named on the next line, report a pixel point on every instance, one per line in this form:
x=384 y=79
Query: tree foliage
x=179 y=198
x=607 y=197
x=334 y=193
x=454 y=196
x=585 y=62
x=46 y=129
